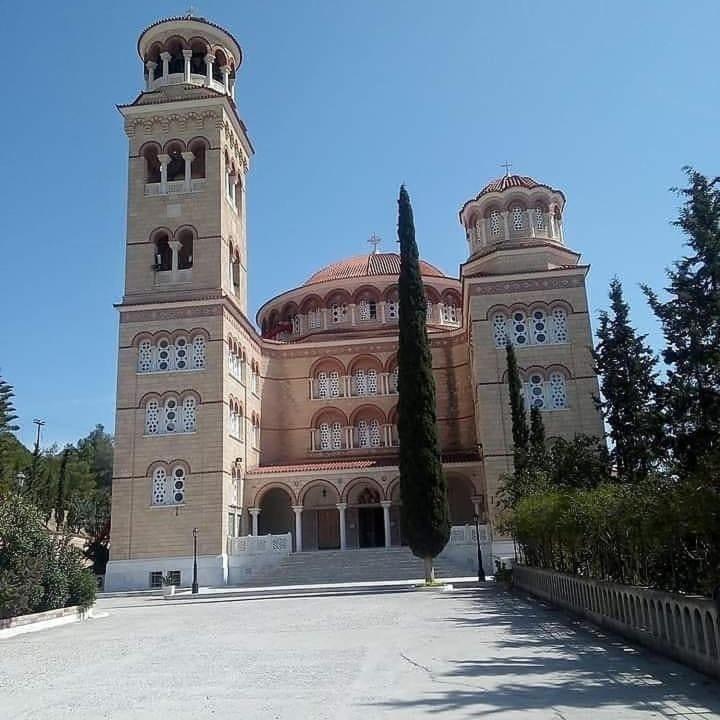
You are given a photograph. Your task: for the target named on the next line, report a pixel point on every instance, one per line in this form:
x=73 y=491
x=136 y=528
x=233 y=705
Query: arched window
x=165 y=356
x=517 y=215
x=546 y=391
x=368 y=433
x=314 y=318
x=338 y=312
x=198 y=352
x=495 y=223
x=146 y=356
x=168 y=488
x=152 y=417
x=235 y=419
x=499 y=329
x=557 y=391
x=163 y=252
x=256 y=432
x=198 y=148
x=539 y=219
x=428 y=309
x=296 y=322
x=176 y=164
x=197 y=60
x=536 y=391
x=519 y=328
x=367 y=309
x=152 y=163
x=185 y=251
x=560 y=327
x=189 y=414
x=393 y=380
x=177 y=61
x=539 y=327
x=175 y=416
x=181 y=353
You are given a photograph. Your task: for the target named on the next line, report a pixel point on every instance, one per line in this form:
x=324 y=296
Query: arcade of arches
x=358 y=516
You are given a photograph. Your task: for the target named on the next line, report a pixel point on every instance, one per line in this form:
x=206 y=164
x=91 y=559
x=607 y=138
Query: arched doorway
x=320 y=518
x=276 y=515
x=366 y=526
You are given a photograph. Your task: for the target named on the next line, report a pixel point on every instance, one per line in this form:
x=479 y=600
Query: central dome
x=369 y=265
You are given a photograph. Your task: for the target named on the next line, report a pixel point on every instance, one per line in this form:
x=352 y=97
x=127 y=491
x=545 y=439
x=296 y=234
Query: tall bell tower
x=185 y=274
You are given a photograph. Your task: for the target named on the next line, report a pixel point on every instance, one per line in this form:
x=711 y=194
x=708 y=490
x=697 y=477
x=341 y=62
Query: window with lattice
x=375 y=433
x=518 y=218
x=360 y=382
x=539 y=327
x=323 y=386
x=536 y=391
x=181 y=354
x=557 y=391
x=296 y=324
x=372 y=383
x=198 y=352
x=394 y=380
x=325 y=437
x=152 y=417
x=363 y=434
x=314 y=319
x=392 y=309
x=145 y=356
x=334 y=384
x=168 y=489
x=450 y=312
x=428 y=309
x=539 y=219
x=338 y=312
x=170 y=416
x=165 y=356
x=519 y=328
x=499 y=329
x=189 y=414
x=560 y=325
x=337 y=432
x=495 y=223
x=367 y=310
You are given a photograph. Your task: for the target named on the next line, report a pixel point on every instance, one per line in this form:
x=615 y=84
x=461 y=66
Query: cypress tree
x=520 y=432
x=423 y=489
x=60 y=500
x=537 y=450
x=690 y=321
x=628 y=381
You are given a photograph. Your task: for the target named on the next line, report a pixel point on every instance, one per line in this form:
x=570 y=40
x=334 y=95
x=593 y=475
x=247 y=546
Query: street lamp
x=481 y=572
x=195 y=588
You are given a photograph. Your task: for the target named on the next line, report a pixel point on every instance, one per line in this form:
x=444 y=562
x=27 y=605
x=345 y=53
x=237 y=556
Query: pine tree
x=425 y=515
x=690 y=321
x=520 y=432
x=7 y=427
x=628 y=381
x=60 y=499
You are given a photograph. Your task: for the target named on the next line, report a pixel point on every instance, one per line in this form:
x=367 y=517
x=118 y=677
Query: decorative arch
x=365 y=362
x=367 y=412
x=330 y=415
x=328 y=363
x=310 y=302
x=319 y=484
x=336 y=297
x=355 y=487
x=261 y=492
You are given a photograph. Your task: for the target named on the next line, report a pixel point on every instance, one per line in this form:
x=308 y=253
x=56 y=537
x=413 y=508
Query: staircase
x=347 y=566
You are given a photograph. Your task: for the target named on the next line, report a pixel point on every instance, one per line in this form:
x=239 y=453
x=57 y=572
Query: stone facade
x=293 y=429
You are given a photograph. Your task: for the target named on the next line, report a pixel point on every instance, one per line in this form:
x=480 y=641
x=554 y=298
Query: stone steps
x=366 y=565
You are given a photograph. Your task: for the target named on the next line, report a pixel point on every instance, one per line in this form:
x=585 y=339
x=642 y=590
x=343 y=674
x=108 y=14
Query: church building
x=279 y=435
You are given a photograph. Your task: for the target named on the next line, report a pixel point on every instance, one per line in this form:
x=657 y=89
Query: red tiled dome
x=367 y=266
x=509 y=181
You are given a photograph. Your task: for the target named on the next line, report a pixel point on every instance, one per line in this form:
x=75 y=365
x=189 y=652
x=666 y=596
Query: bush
x=38 y=572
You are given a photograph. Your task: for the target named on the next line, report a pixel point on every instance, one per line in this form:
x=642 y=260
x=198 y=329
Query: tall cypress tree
x=690 y=321
x=423 y=489
x=628 y=381
x=520 y=432
x=537 y=449
x=60 y=499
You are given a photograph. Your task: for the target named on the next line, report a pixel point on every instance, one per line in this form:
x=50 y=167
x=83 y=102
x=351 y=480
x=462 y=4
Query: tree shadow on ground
x=543 y=662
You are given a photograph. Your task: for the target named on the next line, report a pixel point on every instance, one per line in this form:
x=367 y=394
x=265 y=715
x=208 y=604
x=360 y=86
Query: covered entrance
x=320 y=518
x=371 y=531
x=367 y=516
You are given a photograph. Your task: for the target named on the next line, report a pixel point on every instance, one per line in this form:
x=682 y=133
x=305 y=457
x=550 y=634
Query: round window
x=536 y=379
x=179 y=472
x=178 y=497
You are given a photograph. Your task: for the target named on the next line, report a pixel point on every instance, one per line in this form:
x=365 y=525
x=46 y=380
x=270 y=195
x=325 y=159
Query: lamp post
x=195 y=588
x=481 y=572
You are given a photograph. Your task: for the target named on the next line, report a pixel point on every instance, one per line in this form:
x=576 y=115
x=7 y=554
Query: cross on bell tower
x=374 y=240
x=507 y=165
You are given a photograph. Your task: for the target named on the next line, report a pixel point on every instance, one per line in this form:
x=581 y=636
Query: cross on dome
x=374 y=240
x=507 y=165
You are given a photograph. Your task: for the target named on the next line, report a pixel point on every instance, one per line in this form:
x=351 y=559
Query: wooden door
x=328 y=529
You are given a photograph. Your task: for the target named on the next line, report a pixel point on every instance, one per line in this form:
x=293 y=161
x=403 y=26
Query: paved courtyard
x=466 y=654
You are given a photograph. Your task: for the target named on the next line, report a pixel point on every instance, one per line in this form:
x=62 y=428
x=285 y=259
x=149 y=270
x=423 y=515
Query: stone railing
x=260 y=544
x=465 y=534
x=687 y=628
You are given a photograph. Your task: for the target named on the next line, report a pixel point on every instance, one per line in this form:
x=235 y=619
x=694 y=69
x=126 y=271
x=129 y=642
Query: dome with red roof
x=509 y=181
x=369 y=265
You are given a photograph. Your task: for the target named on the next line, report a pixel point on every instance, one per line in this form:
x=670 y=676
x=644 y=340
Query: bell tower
x=185 y=275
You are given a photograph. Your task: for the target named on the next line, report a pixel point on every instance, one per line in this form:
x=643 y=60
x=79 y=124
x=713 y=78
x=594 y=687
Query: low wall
x=9 y=627
x=686 y=628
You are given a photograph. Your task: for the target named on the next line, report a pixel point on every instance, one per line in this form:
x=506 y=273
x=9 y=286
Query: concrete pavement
x=471 y=653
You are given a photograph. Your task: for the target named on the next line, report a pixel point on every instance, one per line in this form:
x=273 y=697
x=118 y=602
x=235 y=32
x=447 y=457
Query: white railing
x=466 y=535
x=260 y=544
x=175 y=187
x=684 y=627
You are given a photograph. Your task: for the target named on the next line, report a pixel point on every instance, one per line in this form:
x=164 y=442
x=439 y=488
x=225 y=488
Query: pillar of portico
x=150 y=65
x=187 y=55
x=165 y=57
x=386 y=520
x=297 y=509
x=225 y=70
x=254 y=513
x=164 y=160
x=188 y=157
x=342 y=507
x=209 y=60
x=477 y=502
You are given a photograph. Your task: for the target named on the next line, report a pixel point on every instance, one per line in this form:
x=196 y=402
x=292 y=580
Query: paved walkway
x=471 y=653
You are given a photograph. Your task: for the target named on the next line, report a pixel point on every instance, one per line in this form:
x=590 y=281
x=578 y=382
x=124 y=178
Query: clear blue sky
x=343 y=101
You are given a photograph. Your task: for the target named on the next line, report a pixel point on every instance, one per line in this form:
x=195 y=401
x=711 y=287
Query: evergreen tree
x=425 y=515
x=60 y=499
x=690 y=321
x=518 y=413
x=537 y=450
x=628 y=381
x=7 y=428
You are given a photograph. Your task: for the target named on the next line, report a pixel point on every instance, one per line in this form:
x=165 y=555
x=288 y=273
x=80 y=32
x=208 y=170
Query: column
x=550 y=223
x=164 y=160
x=175 y=246
x=165 y=56
x=342 y=507
x=188 y=157
x=531 y=223
x=240 y=521
x=506 y=221
x=150 y=65
x=254 y=512
x=187 y=54
x=297 y=509
x=232 y=182
x=209 y=60
x=225 y=70
x=386 y=520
